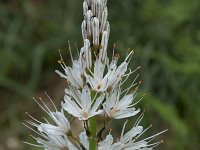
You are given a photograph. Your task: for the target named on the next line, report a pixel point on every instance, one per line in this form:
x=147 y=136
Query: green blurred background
x=165 y=35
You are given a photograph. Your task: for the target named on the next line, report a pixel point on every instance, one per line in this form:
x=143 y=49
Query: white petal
x=62 y=120
x=131 y=134
x=128 y=112
x=98 y=70
x=50 y=129
x=125 y=101
x=76 y=94
x=97 y=103
x=86 y=99
x=72 y=108
x=136 y=145
x=84 y=140
x=107 y=143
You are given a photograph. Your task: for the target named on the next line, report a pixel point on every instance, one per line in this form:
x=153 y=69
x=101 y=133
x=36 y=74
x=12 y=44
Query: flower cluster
x=94 y=90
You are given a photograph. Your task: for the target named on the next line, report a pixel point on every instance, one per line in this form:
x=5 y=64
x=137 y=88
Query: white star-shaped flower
x=120 y=108
x=75 y=74
x=129 y=140
x=62 y=124
x=101 y=81
x=52 y=136
x=54 y=142
x=108 y=144
x=81 y=105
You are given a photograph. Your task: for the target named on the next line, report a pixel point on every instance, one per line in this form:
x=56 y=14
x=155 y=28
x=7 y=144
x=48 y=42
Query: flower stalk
x=93 y=129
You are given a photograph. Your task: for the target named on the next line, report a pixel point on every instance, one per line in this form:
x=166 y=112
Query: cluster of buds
x=95 y=26
x=94 y=90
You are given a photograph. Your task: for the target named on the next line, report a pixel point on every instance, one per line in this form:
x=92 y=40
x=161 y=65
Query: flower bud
x=95 y=30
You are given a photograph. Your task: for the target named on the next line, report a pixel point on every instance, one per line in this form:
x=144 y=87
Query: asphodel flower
x=75 y=74
x=120 y=108
x=100 y=82
x=129 y=140
x=81 y=105
x=94 y=89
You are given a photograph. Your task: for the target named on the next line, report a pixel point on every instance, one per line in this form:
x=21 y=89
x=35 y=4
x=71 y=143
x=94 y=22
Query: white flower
x=75 y=74
x=53 y=142
x=62 y=123
x=129 y=139
x=55 y=137
x=52 y=136
x=100 y=82
x=61 y=142
x=81 y=105
x=62 y=127
x=119 y=108
x=108 y=144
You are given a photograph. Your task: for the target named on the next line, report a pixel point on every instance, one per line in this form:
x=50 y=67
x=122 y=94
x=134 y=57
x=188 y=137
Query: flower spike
x=94 y=91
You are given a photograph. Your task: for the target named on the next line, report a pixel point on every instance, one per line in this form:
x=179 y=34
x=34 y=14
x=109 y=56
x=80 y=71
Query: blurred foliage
x=165 y=35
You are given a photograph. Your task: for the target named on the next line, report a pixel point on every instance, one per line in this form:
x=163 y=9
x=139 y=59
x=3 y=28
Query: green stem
x=93 y=128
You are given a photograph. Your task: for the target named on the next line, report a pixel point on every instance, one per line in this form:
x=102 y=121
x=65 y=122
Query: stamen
x=110 y=131
x=113 y=53
x=129 y=55
x=132 y=85
x=46 y=120
x=139 y=119
x=76 y=48
x=142 y=132
x=138 y=100
x=131 y=72
x=61 y=61
x=51 y=101
x=136 y=89
x=122 y=133
x=41 y=134
x=155 y=135
x=31 y=144
x=47 y=110
x=155 y=144
x=70 y=51
x=117 y=56
x=32 y=117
